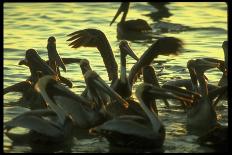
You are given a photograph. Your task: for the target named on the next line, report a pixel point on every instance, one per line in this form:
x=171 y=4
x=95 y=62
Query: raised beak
x=54 y=56
x=128 y=51
x=116 y=16
x=97 y=82
x=123 y=8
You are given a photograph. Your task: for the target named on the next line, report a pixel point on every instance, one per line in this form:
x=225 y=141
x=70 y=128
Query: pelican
x=30 y=97
x=130 y=29
x=54 y=58
x=96 y=38
x=45 y=125
x=163 y=46
x=201 y=117
x=84 y=113
x=214 y=91
x=135 y=131
x=65 y=61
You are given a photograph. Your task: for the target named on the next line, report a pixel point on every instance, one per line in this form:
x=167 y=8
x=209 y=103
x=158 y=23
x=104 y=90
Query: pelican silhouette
x=96 y=38
x=31 y=98
x=130 y=29
x=134 y=131
x=201 y=117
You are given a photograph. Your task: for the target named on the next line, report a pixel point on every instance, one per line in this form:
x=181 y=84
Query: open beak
x=129 y=51
x=98 y=83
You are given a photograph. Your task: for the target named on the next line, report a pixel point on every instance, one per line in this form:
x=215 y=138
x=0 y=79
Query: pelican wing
x=127 y=127
x=96 y=38
x=18 y=87
x=163 y=46
x=35 y=123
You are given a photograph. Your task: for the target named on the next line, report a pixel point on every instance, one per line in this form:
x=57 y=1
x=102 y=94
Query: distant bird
x=130 y=29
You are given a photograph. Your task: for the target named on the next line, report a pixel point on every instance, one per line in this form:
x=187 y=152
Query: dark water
x=28 y=25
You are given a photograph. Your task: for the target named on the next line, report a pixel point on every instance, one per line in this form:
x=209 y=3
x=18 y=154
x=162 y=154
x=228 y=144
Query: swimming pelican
x=201 y=117
x=96 y=38
x=45 y=125
x=135 y=131
x=130 y=29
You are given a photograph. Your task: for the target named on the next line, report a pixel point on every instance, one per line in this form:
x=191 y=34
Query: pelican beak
x=116 y=16
x=123 y=7
x=201 y=65
x=97 y=82
x=161 y=93
x=23 y=62
x=53 y=54
x=124 y=46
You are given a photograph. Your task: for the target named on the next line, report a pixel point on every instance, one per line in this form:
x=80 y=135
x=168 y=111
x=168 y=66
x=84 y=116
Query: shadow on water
x=114 y=149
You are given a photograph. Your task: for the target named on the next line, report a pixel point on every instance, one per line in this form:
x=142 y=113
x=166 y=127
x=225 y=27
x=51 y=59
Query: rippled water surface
x=28 y=25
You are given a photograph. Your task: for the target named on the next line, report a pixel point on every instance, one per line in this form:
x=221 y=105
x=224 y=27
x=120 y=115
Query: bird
x=45 y=126
x=217 y=92
x=85 y=113
x=66 y=61
x=149 y=76
x=31 y=98
x=130 y=29
x=162 y=46
x=201 y=116
x=134 y=131
x=54 y=58
x=96 y=38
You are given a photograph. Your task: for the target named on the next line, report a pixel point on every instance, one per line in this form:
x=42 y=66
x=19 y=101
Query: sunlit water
x=28 y=25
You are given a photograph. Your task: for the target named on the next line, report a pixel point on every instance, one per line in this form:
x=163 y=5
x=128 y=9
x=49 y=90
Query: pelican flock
x=118 y=109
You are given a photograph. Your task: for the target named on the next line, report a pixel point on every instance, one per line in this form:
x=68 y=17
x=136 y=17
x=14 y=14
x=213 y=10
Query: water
x=28 y=25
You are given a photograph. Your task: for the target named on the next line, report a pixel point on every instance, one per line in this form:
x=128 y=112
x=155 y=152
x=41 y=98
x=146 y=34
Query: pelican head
x=36 y=63
x=201 y=65
x=51 y=39
x=123 y=8
x=94 y=81
x=84 y=64
x=125 y=49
